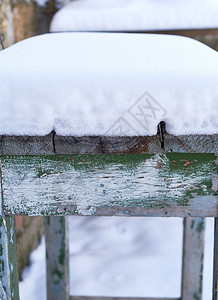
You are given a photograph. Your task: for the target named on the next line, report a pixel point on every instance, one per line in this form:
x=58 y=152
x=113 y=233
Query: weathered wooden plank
x=57 y=258
x=8 y=259
x=129 y=184
x=107 y=145
x=2 y=292
x=193 y=254
x=133 y=145
x=52 y=143
x=8 y=254
x=215 y=263
x=118 y=298
x=24 y=145
x=191 y=144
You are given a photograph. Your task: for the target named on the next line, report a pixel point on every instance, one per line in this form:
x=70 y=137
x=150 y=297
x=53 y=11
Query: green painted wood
x=2 y=292
x=215 y=268
x=12 y=255
x=193 y=255
x=8 y=254
x=57 y=258
x=173 y=184
x=8 y=259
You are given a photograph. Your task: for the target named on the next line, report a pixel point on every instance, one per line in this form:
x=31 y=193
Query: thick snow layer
x=114 y=84
x=133 y=15
x=121 y=257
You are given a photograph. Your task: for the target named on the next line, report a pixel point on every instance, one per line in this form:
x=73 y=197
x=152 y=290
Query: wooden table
x=170 y=176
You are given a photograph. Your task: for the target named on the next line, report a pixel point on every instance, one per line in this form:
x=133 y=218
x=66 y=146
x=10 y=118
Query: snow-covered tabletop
x=136 y=15
x=96 y=84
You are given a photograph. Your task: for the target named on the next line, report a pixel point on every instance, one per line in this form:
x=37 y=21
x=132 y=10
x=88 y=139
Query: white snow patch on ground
x=33 y=285
x=115 y=256
x=83 y=83
x=133 y=15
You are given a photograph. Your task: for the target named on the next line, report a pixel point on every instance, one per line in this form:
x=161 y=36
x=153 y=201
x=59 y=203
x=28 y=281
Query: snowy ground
x=115 y=256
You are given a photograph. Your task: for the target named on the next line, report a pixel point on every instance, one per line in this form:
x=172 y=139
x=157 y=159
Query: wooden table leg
x=8 y=260
x=193 y=255
x=215 y=264
x=57 y=258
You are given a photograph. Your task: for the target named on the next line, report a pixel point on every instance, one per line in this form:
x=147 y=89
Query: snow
x=135 y=15
x=118 y=256
x=41 y=3
x=86 y=83
x=59 y=3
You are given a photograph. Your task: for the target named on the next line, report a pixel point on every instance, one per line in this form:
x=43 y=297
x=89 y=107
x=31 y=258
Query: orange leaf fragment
x=188 y=163
x=159 y=165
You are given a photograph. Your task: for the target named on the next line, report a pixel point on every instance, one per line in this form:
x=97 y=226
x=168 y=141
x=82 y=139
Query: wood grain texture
x=174 y=185
x=57 y=258
x=24 y=145
x=8 y=259
x=52 y=143
x=193 y=255
x=215 y=262
x=107 y=145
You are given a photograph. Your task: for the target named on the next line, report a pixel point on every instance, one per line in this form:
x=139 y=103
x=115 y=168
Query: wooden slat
x=215 y=268
x=193 y=254
x=8 y=259
x=133 y=145
x=2 y=292
x=23 y=145
x=117 y=298
x=171 y=184
x=52 y=143
x=8 y=254
x=57 y=258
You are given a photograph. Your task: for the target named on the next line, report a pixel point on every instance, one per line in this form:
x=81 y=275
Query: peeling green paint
x=196 y=297
x=61 y=257
x=58 y=273
x=201 y=274
x=200 y=226
x=2 y=263
x=81 y=184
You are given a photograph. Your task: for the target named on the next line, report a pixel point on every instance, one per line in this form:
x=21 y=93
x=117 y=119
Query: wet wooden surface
x=173 y=185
